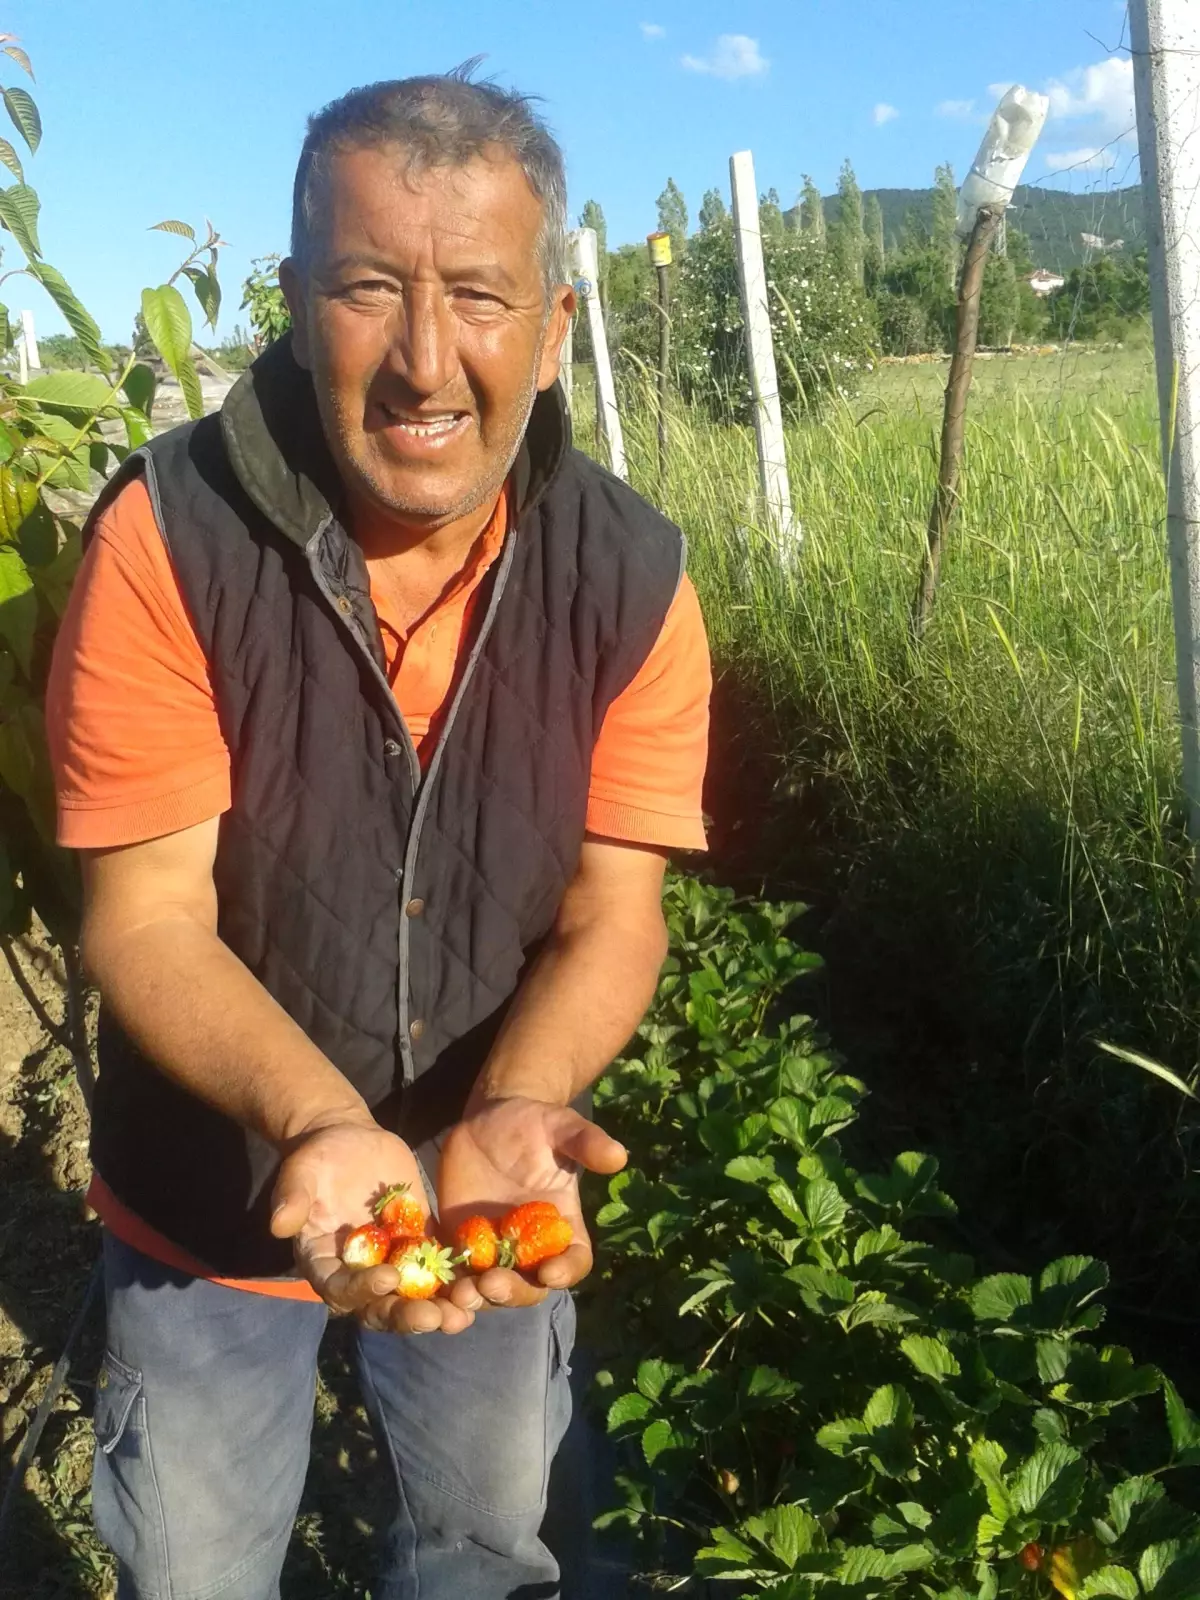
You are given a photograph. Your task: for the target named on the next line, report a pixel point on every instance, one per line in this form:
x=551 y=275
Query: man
x=373 y=713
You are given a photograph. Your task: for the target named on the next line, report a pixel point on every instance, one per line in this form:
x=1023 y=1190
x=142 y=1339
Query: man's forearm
x=578 y=1007
x=193 y=1008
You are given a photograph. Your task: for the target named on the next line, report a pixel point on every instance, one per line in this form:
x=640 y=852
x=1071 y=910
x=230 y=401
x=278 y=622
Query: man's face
x=423 y=320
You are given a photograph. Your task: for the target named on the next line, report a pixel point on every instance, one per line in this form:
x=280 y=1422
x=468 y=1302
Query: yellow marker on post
x=659 y=245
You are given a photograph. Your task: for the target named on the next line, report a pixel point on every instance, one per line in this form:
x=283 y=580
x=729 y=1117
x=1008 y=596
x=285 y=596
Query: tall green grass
x=1016 y=771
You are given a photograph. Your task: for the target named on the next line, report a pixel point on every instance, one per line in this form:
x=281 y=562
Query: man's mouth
x=418 y=425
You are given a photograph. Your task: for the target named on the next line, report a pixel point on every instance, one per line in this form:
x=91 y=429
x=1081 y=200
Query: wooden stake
x=760 y=351
x=587 y=263
x=958 y=387
x=660 y=256
x=1164 y=37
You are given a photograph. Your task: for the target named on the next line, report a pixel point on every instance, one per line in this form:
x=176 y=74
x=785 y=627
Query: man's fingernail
x=474 y=1303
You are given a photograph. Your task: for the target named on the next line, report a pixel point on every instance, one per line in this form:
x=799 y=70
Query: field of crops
x=986 y=828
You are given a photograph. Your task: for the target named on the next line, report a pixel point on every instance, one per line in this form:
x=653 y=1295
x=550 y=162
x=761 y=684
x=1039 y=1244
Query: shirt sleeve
x=131 y=718
x=649 y=759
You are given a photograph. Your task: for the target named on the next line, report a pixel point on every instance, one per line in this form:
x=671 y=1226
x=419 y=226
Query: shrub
x=263 y=299
x=822 y=325
x=813 y=1393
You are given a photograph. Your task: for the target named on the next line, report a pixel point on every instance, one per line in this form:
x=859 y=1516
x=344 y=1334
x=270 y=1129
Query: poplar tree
x=812 y=211
x=712 y=210
x=873 y=251
x=593 y=217
x=945 y=213
x=673 y=217
x=846 y=234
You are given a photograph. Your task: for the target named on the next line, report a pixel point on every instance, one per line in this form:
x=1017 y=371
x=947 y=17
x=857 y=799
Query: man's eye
x=478 y=296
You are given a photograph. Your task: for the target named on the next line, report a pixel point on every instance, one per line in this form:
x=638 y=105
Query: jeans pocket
x=125 y=1501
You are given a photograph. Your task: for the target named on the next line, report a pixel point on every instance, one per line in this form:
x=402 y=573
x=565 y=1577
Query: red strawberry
x=366 y=1246
x=423 y=1267
x=1032 y=1556
x=399 y=1213
x=477 y=1244
x=533 y=1233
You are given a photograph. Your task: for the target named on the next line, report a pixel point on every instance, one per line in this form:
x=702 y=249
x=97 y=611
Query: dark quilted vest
x=390 y=914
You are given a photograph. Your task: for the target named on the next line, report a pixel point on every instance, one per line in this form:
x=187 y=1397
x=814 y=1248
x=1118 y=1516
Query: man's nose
x=423 y=348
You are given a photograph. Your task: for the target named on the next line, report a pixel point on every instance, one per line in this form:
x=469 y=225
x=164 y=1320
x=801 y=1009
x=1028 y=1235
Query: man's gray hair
x=438 y=121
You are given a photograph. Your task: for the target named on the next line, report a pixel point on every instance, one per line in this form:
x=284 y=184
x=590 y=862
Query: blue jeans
x=204 y=1415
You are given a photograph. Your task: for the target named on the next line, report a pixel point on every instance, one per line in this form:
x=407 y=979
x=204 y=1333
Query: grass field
x=988 y=822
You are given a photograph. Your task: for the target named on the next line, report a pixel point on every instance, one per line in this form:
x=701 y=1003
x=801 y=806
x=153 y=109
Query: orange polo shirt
x=137 y=748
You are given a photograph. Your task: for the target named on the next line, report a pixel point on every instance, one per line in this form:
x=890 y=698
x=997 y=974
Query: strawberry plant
x=814 y=1392
x=61 y=432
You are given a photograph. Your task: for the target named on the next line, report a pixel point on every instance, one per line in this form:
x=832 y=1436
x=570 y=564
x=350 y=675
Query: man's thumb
x=292 y=1204
x=587 y=1145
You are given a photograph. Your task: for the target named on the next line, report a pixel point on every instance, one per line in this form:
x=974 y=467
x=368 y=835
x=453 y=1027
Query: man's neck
x=382 y=536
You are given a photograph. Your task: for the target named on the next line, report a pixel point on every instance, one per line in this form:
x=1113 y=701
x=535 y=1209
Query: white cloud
x=735 y=55
x=883 y=113
x=959 y=110
x=1101 y=93
x=652 y=30
x=1091 y=158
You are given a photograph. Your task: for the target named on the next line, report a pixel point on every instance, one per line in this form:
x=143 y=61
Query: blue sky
x=172 y=108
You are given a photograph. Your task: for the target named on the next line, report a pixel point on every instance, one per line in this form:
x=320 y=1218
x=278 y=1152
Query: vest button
x=415 y=1029
x=414 y=908
x=391 y=747
x=344 y=604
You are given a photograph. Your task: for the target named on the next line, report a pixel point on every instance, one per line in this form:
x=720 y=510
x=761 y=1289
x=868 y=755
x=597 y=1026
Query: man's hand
x=325 y=1184
x=504 y=1152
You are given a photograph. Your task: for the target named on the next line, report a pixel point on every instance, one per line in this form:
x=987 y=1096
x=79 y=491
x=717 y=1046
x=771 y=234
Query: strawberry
x=533 y=1233
x=366 y=1246
x=423 y=1265
x=477 y=1244
x=1032 y=1556
x=399 y=1213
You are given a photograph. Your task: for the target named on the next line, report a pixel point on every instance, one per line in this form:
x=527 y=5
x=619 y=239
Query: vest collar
x=276 y=446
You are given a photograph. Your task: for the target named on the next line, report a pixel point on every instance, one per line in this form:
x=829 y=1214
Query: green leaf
x=53 y=581
x=824 y=1207
x=1156 y=1558
x=694 y=1301
x=782 y=1197
x=1129 y=1494
x=38 y=538
x=1182 y=1423
x=789 y=1532
x=889 y=1407
x=883 y=1241
x=843 y=1434
x=821 y=1289
x=208 y=292
x=1118 y=1581
x=138 y=431
x=865 y=1562
x=915 y=1515
x=1053 y=1358
x=1050 y=1483
x=80 y=323
x=995 y=1299
x=831 y=1113
x=767 y=1384
x=930 y=1356
x=170 y=226
x=653 y=1376
x=750 y=1169
x=15 y=53
x=660 y=1436
x=140 y=385
x=20 y=107
x=628 y=1408
x=19 y=207
x=169 y=324
x=988 y=1458
x=73 y=391
x=12 y=160
x=18 y=606
x=789 y=1119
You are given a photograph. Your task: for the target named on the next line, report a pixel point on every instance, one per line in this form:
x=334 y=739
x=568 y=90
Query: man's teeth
x=424 y=430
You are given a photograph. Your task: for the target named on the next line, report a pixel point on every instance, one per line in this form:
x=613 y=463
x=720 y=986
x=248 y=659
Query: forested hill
x=1053 y=220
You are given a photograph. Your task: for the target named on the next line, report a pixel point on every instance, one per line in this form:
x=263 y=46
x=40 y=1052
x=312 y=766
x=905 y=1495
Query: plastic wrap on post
x=997 y=168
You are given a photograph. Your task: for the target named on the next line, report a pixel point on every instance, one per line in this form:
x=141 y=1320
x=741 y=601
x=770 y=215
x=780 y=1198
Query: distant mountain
x=1053 y=220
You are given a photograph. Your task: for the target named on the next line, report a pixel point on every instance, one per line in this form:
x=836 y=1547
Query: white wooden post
x=587 y=284
x=760 y=352
x=566 y=364
x=1165 y=44
x=31 y=347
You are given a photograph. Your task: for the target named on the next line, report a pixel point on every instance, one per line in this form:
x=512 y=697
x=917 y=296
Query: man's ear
x=291 y=281
x=557 y=323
